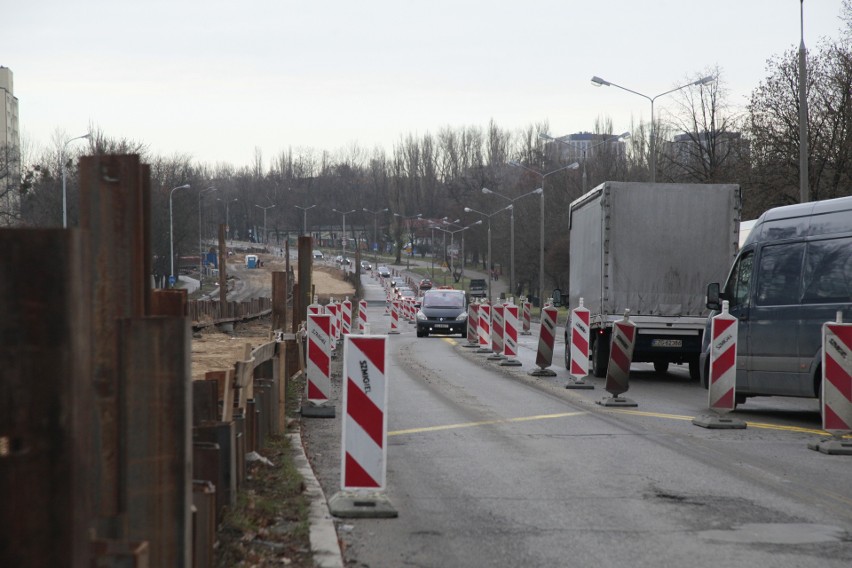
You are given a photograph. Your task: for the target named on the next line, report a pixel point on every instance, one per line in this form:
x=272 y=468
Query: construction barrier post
x=546 y=341
x=472 y=325
x=510 y=337
x=527 y=305
x=362 y=316
x=363 y=456
x=836 y=387
x=333 y=309
x=722 y=395
x=394 y=329
x=498 y=316
x=579 y=349
x=318 y=368
x=484 y=328
x=346 y=317
x=620 y=356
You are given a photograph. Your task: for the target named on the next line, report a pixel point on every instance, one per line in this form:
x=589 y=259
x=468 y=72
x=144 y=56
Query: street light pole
x=597 y=82
x=343 y=266
x=171 y=232
x=376 y=231
x=511 y=231
x=804 y=193
x=64 y=193
x=488 y=261
x=200 y=245
x=543 y=177
x=265 y=238
x=305 y=217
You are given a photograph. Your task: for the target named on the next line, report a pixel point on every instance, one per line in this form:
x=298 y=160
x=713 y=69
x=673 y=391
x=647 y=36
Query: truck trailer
x=649 y=249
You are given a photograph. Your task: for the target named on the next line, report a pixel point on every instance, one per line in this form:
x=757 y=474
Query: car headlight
x=421 y=316
x=462 y=316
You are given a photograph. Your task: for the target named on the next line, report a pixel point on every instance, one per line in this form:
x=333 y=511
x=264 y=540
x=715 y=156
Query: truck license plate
x=666 y=343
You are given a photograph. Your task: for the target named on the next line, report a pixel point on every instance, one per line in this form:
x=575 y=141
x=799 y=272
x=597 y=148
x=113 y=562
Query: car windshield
x=444 y=300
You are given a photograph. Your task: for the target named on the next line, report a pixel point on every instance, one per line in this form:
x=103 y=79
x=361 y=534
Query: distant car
x=366 y=265
x=425 y=284
x=383 y=271
x=346 y=262
x=342 y=261
x=398 y=282
x=317 y=254
x=442 y=311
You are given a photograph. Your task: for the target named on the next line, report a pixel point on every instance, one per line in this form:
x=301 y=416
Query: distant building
x=10 y=144
x=575 y=147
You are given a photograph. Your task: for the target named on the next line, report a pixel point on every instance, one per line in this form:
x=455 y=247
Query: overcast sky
x=215 y=79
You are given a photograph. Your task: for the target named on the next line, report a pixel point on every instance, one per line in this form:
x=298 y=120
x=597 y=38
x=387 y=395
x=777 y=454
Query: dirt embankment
x=213 y=350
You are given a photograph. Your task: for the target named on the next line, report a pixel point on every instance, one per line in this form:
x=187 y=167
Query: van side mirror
x=714 y=301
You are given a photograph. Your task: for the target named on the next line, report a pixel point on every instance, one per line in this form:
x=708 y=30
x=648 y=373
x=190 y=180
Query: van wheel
x=600 y=356
x=661 y=366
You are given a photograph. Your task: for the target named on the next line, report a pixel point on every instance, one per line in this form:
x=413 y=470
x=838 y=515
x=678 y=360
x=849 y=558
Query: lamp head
x=467 y=209
x=574 y=166
x=539 y=191
x=486 y=190
x=598 y=82
x=704 y=80
x=544 y=136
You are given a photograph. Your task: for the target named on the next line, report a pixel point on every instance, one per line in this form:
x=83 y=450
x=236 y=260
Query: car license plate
x=442 y=325
x=666 y=343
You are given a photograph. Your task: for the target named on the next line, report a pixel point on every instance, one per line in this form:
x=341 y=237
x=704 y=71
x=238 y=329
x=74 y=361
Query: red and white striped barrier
x=620 y=356
x=346 y=317
x=318 y=367
x=333 y=309
x=365 y=401
x=527 y=317
x=579 y=348
x=316 y=307
x=362 y=317
x=722 y=387
x=394 y=328
x=836 y=387
x=723 y=361
x=484 y=328
x=546 y=341
x=510 y=336
x=498 y=316
x=472 y=325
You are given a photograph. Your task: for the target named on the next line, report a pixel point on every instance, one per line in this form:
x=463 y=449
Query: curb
x=325 y=545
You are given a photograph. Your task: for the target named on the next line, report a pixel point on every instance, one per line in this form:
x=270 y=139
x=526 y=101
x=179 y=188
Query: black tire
x=694 y=370
x=661 y=366
x=567 y=356
x=419 y=333
x=600 y=355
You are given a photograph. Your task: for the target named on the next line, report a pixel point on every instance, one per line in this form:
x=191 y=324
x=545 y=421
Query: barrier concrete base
x=833 y=446
x=393 y=332
x=317 y=411
x=616 y=401
x=495 y=357
x=361 y=505
x=471 y=345
x=484 y=350
x=541 y=372
x=510 y=363
x=717 y=422
x=578 y=384
x=526 y=333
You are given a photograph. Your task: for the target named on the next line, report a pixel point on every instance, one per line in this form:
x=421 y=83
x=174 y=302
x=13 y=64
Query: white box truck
x=650 y=248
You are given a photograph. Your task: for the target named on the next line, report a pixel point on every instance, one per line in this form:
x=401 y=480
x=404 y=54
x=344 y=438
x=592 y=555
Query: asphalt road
x=489 y=466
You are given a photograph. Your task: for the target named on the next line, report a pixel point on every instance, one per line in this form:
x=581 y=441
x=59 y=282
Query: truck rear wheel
x=600 y=355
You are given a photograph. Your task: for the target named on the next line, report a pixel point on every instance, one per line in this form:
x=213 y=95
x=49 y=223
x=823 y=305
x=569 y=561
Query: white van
x=793 y=274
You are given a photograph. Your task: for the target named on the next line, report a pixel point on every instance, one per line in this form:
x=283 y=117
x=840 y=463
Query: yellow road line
x=483 y=423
